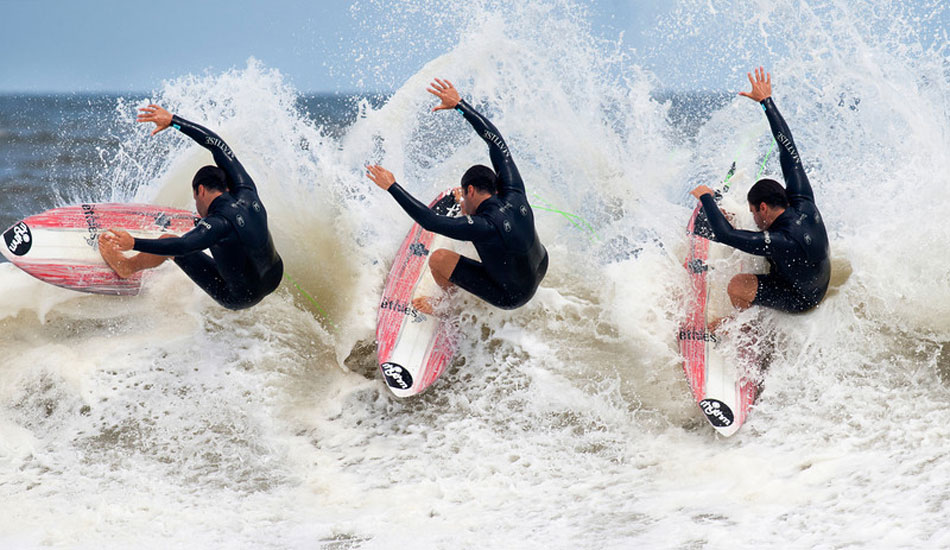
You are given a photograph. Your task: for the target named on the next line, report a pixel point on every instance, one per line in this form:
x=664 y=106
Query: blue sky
x=121 y=46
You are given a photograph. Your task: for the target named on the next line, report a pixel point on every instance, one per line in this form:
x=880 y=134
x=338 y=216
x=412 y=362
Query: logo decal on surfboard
x=92 y=224
x=717 y=412
x=19 y=239
x=418 y=249
x=697 y=266
x=396 y=376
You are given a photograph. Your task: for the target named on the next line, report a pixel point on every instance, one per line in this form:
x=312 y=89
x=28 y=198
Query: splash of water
x=567 y=422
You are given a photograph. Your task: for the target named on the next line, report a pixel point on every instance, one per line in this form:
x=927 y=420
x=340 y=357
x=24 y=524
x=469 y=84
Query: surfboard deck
x=724 y=384
x=413 y=348
x=61 y=246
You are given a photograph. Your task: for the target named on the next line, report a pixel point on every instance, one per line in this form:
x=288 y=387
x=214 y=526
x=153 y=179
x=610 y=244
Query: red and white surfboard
x=61 y=246
x=725 y=385
x=413 y=348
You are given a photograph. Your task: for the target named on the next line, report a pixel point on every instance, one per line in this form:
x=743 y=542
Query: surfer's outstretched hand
x=154 y=113
x=761 y=85
x=444 y=90
x=700 y=191
x=119 y=239
x=380 y=176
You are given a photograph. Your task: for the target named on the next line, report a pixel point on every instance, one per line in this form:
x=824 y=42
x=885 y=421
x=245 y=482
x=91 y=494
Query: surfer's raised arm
x=509 y=179
x=796 y=182
x=222 y=153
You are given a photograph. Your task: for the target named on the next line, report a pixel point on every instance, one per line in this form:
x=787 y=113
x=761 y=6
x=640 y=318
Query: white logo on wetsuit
x=768 y=238
x=787 y=143
x=524 y=210
x=497 y=141
x=240 y=220
x=470 y=220
x=256 y=206
x=222 y=146
x=205 y=224
x=507 y=227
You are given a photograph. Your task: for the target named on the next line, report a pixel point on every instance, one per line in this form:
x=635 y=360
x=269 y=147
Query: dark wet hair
x=481 y=178
x=768 y=191
x=212 y=177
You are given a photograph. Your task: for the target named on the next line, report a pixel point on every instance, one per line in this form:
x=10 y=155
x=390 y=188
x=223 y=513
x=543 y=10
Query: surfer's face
x=472 y=198
x=467 y=199
x=202 y=201
x=761 y=215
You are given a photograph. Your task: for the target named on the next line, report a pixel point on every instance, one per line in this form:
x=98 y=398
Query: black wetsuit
x=795 y=244
x=502 y=229
x=245 y=266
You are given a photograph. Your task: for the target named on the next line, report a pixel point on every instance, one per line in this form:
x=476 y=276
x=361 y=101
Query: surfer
x=497 y=219
x=792 y=237
x=244 y=266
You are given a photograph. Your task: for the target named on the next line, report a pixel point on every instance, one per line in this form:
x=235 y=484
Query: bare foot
x=114 y=257
x=424 y=304
x=713 y=326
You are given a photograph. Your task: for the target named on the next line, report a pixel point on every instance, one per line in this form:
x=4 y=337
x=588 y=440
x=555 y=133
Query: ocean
x=165 y=421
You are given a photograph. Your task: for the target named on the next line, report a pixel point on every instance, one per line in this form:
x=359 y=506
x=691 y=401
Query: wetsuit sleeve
x=795 y=179
x=208 y=231
x=238 y=177
x=464 y=228
x=758 y=243
x=508 y=177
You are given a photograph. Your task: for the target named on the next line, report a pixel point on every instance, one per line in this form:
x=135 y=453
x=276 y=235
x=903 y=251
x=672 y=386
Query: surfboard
x=413 y=348
x=724 y=382
x=61 y=246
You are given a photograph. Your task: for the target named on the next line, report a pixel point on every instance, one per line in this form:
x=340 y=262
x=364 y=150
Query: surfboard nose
x=17 y=240
x=397 y=378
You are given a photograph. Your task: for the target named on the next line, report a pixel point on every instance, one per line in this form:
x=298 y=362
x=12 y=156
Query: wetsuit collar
x=485 y=204
x=785 y=217
x=220 y=202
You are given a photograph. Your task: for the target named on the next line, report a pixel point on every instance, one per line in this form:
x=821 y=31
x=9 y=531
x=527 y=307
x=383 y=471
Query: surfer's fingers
x=750 y=79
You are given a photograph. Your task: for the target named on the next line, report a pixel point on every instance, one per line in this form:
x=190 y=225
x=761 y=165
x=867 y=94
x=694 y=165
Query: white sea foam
x=165 y=421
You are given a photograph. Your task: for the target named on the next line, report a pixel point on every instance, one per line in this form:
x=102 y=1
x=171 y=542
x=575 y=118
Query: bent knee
x=442 y=258
x=743 y=286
